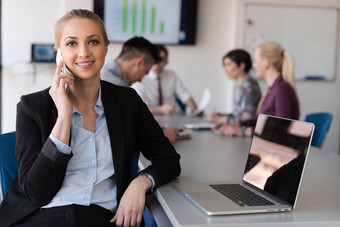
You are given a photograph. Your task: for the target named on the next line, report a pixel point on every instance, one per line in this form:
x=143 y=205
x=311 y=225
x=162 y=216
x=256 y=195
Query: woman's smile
x=85 y=64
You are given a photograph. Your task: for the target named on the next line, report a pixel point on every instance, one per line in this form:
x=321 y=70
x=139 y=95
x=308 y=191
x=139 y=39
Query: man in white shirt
x=160 y=86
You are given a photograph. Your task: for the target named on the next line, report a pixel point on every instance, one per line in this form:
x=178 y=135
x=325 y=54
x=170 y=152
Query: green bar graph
x=134 y=15
x=143 y=16
x=138 y=13
x=161 y=27
x=153 y=18
x=124 y=15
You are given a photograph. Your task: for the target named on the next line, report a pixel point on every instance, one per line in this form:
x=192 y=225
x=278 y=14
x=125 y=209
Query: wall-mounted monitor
x=159 y=21
x=43 y=53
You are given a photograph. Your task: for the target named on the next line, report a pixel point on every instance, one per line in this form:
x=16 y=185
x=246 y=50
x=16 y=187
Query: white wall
x=219 y=29
x=23 y=23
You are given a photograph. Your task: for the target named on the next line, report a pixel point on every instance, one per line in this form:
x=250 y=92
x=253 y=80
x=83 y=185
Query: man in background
x=137 y=57
x=160 y=88
x=133 y=63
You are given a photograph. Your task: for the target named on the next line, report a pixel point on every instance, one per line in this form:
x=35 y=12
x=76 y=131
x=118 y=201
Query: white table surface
x=209 y=157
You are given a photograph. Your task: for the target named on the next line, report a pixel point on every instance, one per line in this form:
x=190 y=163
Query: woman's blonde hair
x=78 y=13
x=281 y=60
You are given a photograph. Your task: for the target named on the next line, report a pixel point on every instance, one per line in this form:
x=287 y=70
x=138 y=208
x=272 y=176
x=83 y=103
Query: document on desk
x=200 y=126
x=206 y=97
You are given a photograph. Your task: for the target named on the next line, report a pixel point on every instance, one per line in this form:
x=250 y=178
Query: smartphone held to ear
x=59 y=57
x=64 y=69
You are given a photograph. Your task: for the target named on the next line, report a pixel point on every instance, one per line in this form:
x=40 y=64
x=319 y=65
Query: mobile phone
x=59 y=57
x=64 y=69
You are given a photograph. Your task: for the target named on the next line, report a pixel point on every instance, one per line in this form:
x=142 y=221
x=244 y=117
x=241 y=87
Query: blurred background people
x=161 y=86
x=273 y=64
x=237 y=64
x=137 y=57
x=135 y=60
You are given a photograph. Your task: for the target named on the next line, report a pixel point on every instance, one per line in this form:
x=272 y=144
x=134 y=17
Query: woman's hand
x=58 y=91
x=232 y=129
x=61 y=129
x=130 y=209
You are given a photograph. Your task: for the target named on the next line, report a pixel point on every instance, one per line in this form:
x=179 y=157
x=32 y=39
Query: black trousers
x=69 y=216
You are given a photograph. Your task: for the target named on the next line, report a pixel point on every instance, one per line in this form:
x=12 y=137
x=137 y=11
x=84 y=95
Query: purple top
x=280 y=101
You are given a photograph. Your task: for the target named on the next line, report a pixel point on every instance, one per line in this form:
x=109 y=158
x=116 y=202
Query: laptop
x=272 y=174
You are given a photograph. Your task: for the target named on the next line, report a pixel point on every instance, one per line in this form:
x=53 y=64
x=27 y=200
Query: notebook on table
x=200 y=126
x=272 y=174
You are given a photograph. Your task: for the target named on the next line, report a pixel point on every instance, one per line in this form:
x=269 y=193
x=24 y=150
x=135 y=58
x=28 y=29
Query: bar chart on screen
x=158 y=20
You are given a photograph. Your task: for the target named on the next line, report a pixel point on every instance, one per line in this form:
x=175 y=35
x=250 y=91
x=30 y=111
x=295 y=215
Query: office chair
x=322 y=122
x=8 y=161
x=181 y=105
x=9 y=170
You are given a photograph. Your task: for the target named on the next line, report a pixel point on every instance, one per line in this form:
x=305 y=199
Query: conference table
x=208 y=157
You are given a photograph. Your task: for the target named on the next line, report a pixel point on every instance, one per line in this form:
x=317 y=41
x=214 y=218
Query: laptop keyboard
x=240 y=195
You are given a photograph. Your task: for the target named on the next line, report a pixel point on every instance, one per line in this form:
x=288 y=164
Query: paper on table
x=200 y=126
x=205 y=99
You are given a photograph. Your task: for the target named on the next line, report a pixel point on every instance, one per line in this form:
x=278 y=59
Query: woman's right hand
x=61 y=129
x=58 y=91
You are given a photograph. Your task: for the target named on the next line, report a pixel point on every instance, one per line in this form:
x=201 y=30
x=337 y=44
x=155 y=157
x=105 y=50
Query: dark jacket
x=41 y=167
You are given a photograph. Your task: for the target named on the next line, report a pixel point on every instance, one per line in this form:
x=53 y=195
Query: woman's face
x=259 y=64
x=83 y=48
x=231 y=68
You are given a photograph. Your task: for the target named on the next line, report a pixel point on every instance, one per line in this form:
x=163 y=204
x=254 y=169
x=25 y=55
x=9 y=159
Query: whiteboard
x=309 y=34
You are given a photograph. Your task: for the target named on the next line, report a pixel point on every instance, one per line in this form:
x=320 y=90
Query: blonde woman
x=76 y=149
x=273 y=64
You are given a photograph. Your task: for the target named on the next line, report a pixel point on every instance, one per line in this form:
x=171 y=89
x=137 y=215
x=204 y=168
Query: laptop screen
x=277 y=156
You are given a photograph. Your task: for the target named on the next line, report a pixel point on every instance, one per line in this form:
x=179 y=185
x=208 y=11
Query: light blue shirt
x=89 y=177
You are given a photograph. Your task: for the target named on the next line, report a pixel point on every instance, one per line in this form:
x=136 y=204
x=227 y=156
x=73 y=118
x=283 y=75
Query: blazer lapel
x=114 y=121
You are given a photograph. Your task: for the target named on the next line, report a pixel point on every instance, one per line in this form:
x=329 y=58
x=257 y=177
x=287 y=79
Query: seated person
x=159 y=88
x=75 y=149
x=276 y=67
x=135 y=60
x=237 y=64
x=133 y=63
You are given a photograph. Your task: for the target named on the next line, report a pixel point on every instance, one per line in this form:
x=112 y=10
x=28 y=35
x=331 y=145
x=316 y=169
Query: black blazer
x=41 y=167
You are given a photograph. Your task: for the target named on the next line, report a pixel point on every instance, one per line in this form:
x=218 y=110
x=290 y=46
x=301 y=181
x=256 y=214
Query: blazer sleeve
x=157 y=148
x=41 y=167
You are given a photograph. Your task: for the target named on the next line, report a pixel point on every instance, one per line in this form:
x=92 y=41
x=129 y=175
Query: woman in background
x=237 y=64
x=273 y=64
